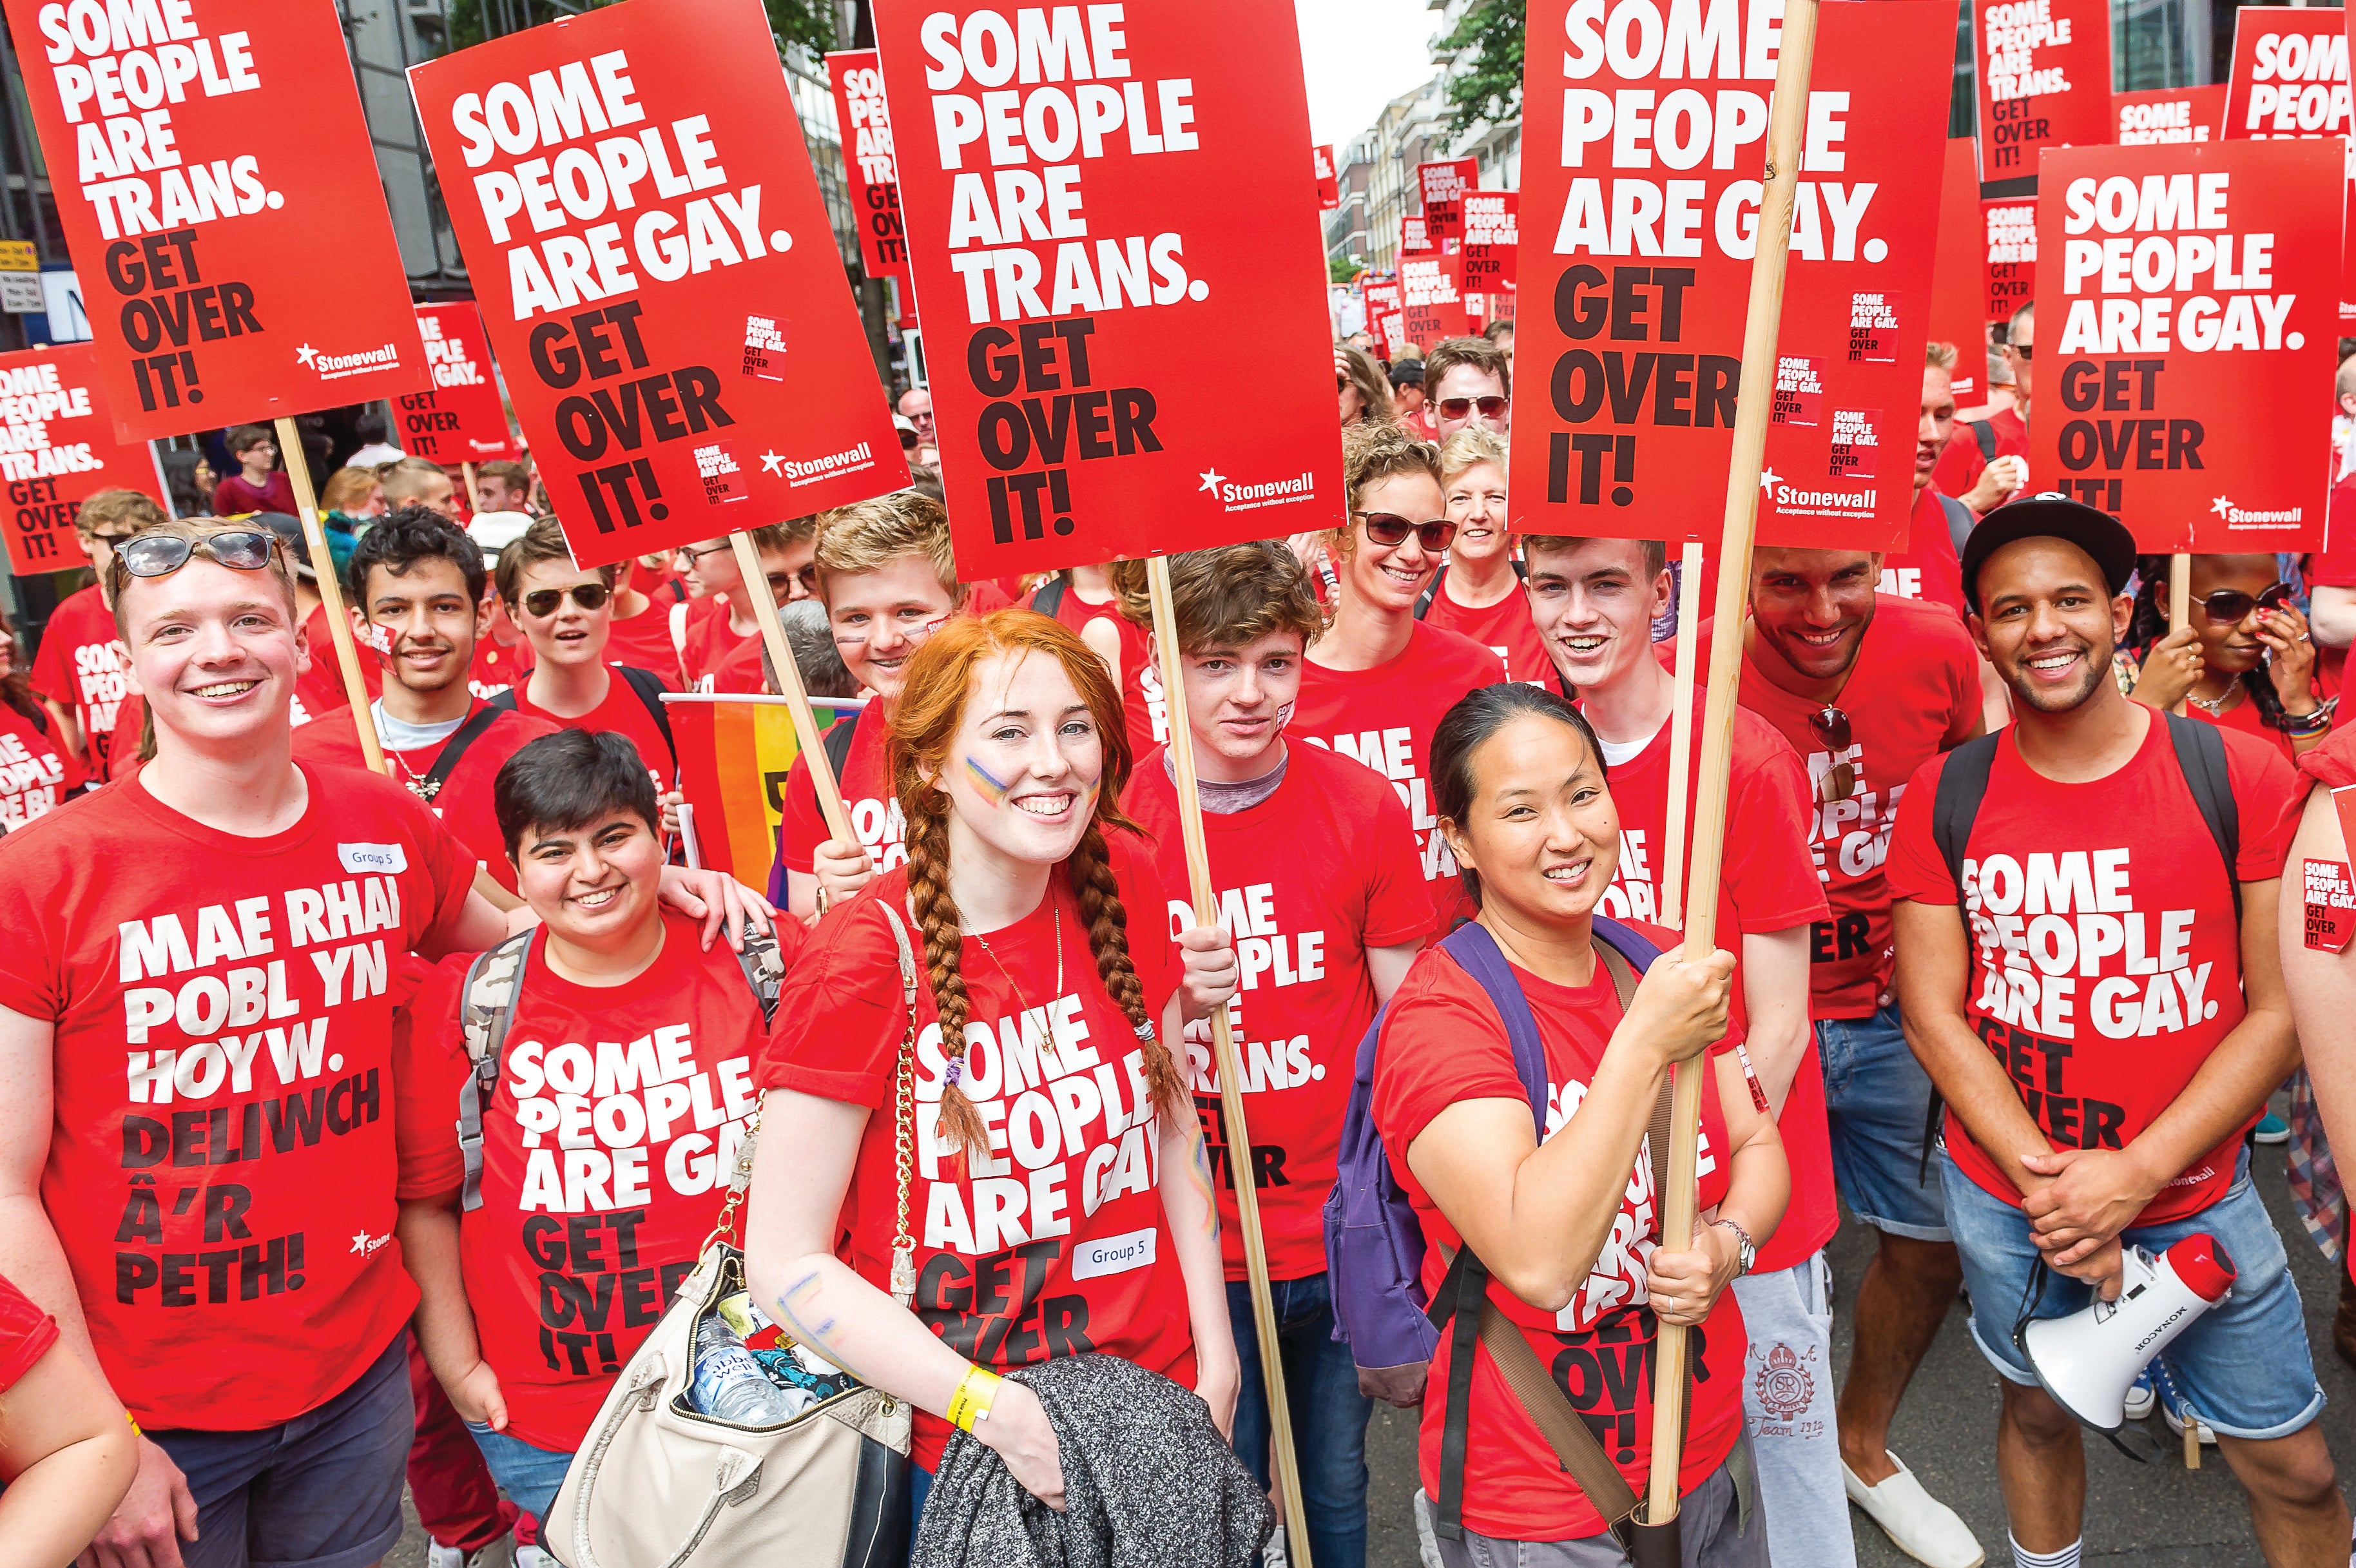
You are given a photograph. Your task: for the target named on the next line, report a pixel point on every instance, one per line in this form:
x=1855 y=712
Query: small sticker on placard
x=1799 y=389
x=1873 y=329
x=716 y=468
x=2330 y=893
x=764 y=347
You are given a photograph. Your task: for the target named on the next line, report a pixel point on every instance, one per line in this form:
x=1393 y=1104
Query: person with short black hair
x=259 y=485
x=375 y=451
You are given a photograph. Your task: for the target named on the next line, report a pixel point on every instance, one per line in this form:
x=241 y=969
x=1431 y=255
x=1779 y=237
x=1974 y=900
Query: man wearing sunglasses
x=1594 y=601
x=575 y=684
x=1469 y=382
x=2088 y=969
x=1867 y=686
x=79 y=671
x=209 y=944
x=722 y=651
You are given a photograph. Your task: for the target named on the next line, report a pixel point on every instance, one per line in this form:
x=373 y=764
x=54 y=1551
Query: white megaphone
x=2088 y=1360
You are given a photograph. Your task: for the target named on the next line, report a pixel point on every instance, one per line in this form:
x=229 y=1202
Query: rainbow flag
x=734 y=754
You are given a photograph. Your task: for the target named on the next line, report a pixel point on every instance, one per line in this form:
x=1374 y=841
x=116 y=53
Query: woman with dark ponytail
x=2243 y=659
x=1058 y=1198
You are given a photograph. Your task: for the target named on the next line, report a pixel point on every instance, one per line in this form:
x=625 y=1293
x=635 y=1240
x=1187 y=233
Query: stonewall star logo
x=773 y=463
x=2221 y=506
x=1212 y=480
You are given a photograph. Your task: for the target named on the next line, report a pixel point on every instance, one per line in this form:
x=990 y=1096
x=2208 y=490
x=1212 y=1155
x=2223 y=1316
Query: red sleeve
x=803 y=826
x=1398 y=900
x=1914 y=868
x=2267 y=794
x=52 y=671
x=1441 y=1042
x=429 y=1064
x=450 y=866
x=1151 y=951
x=1770 y=873
x=2333 y=763
x=26 y=1334
x=839 y=1021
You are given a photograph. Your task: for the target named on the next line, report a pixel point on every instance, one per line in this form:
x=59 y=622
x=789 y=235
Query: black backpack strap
x=455 y=749
x=1962 y=785
x=1959 y=522
x=1456 y=1307
x=1048 y=597
x=1983 y=434
x=1430 y=592
x=650 y=688
x=486 y=1006
x=2200 y=752
x=837 y=741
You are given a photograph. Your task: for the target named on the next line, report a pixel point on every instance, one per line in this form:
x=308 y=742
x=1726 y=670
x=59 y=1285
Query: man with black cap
x=2085 y=917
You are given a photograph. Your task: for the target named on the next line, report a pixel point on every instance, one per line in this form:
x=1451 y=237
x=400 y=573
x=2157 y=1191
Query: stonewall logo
x=798 y=473
x=2245 y=517
x=335 y=367
x=1234 y=497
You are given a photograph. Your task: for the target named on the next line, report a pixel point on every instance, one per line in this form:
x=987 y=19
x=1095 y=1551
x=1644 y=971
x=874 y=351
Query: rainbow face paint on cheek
x=987 y=784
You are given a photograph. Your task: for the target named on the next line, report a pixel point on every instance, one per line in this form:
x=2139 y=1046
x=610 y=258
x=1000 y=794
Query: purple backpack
x=1373 y=1244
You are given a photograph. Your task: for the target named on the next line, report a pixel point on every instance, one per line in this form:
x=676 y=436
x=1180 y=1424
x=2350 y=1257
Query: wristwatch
x=1746 y=1250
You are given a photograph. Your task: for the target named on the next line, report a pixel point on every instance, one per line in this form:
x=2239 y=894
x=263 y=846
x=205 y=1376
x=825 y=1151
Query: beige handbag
x=658 y=1484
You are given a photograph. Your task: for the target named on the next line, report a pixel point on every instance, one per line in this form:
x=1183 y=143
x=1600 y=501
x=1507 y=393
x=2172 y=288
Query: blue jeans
x=1876 y=1099
x=2242 y=1364
x=530 y=1474
x=1329 y=1415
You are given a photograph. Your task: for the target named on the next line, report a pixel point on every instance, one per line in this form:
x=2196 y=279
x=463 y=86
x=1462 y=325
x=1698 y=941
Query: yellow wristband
x=976 y=1391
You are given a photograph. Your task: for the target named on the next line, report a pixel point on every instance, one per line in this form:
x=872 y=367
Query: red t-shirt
x=78 y=666
x=1142 y=718
x=2334 y=567
x=236 y=495
x=1928 y=567
x=1504 y=629
x=1767 y=883
x=26 y=1334
x=463 y=801
x=623 y=712
x=1309 y=879
x=643 y=642
x=222 y=1171
x=2106 y=962
x=320 y=689
x=36 y=773
x=497 y=667
x=1914 y=691
x=716 y=659
x=866 y=786
x=2242 y=718
x=1442 y=1042
x=1960 y=463
x=130 y=719
x=1384 y=717
x=1055 y=1243
x=577 y=1249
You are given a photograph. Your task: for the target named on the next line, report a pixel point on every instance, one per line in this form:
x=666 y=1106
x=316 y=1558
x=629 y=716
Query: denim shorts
x=322 y=1490
x=2242 y=1364
x=530 y=1474
x=1876 y=1099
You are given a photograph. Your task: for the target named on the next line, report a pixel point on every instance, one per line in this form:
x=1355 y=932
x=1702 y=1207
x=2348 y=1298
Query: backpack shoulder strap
x=453 y=750
x=1984 y=435
x=837 y=743
x=1430 y=592
x=1963 y=784
x=649 y=688
x=1959 y=521
x=764 y=964
x=1049 y=597
x=485 y=1008
x=2200 y=752
x=1473 y=947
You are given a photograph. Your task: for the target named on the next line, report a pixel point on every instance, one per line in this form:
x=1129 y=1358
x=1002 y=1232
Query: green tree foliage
x=1342 y=269
x=1487 y=81
x=806 y=22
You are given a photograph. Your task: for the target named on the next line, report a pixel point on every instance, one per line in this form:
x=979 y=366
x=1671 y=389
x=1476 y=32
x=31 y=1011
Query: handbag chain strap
x=903 y=1243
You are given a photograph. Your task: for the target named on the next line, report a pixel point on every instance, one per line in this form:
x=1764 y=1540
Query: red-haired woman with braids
x=1060 y=1198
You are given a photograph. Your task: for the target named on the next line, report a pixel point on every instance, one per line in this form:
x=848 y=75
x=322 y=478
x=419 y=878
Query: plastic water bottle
x=730 y=1384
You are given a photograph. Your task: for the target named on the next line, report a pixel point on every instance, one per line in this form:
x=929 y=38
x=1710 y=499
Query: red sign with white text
x=1383 y=315
x=2290 y=79
x=870 y=173
x=462 y=420
x=1493 y=241
x=2010 y=228
x=1329 y=179
x=2168 y=115
x=632 y=196
x=1415 y=237
x=1431 y=305
x=225 y=212
x=2192 y=293
x=58 y=449
x=1959 y=274
x=2044 y=80
x=1642 y=159
x=1059 y=253
x=1443 y=187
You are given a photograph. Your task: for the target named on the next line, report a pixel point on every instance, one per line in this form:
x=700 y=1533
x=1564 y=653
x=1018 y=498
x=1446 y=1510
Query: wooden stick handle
x=790 y=686
x=331 y=591
x=1787 y=118
x=2180 y=600
x=1673 y=846
x=1240 y=1168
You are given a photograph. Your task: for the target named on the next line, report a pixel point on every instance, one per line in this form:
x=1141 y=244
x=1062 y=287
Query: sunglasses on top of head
x=161 y=554
x=1388 y=529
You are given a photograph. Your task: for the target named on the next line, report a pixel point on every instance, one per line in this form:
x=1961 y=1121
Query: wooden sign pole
x=331 y=591
x=1241 y=1170
x=1786 y=124
x=2180 y=599
x=790 y=686
x=1673 y=850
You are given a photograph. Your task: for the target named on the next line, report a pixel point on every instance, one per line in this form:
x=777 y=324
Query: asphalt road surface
x=2161 y=1516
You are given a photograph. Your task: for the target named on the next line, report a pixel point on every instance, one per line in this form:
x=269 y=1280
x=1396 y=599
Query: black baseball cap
x=2050 y=515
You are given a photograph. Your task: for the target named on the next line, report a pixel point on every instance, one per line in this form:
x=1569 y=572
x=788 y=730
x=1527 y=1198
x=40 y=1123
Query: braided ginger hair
x=924 y=722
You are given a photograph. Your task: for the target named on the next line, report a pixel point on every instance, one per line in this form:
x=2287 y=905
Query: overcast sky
x=1358 y=55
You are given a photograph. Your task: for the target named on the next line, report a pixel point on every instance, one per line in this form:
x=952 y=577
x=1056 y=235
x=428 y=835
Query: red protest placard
x=655 y=270
x=2289 y=77
x=462 y=420
x=1443 y=186
x=1431 y=307
x=2168 y=115
x=1492 y=241
x=1329 y=178
x=1959 y=274
x=2193 y=288
x=58 y=447
x=217 y=147
x=2044 y=80
x=1415 y=237
x=1073 y=205
x=1642 y=239
x=1383 y=314
x=869 y=164
x=2011 y=230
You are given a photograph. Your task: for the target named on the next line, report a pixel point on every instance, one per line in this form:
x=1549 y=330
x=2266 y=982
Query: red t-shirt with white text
x=222 y=1170
x=582 y=1241
x=1309 y=879
x=1442 y=1042
x=1928 y=567
x=716 y=659
x=2106 y=962
x=623 y=712
x=1504 y=629
x=36 y=771
x=78 y=666
x=867 y=797
x=1913 y=693
x=1054 y=1242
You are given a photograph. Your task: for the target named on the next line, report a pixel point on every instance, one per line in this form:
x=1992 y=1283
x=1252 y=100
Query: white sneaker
x=1273 y=1555
x=1917 y=1523
x=2141 y=1399
x=499 y=1553
x=535 y=1557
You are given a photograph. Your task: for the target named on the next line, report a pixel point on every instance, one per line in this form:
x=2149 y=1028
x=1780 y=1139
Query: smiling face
x=1594 y=607
x=1812 y=606
x=567 y=635
x=880 y=618
x=596 y=886
x=214 y=651
x=1239 y=698
x=2049 y=623
x=430 y=623
x=2234 y=648
x=1541 y=830
x=1024 y=769
x=1390 y=577
x=1476 y=505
